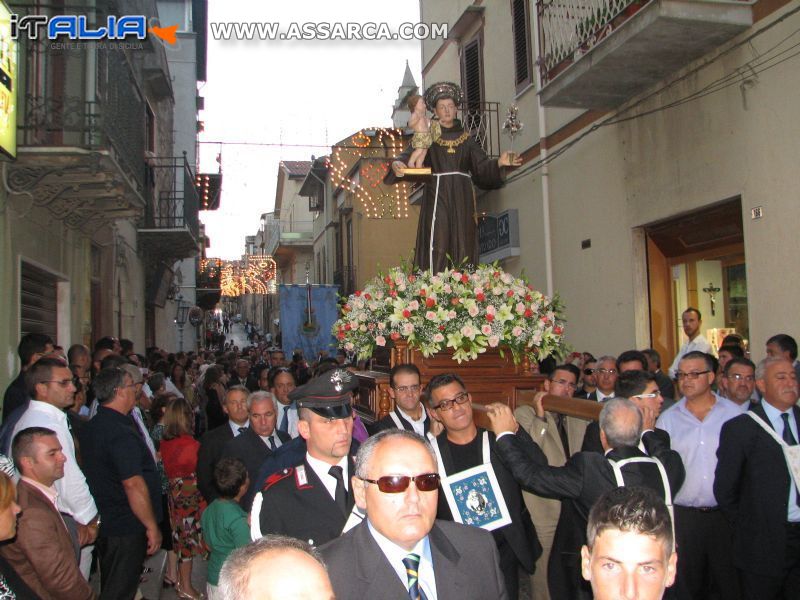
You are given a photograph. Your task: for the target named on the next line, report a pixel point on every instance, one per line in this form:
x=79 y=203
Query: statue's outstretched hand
x=399 y=168
x=505 y=160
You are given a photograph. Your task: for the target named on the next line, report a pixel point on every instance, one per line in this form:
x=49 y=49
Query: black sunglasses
x=395 y=484
x=588 y=371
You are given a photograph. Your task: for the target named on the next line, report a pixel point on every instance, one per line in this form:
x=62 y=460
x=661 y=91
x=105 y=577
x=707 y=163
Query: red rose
x=528 y=298
x=464 y=278
x=340 y=335
x=454 y=301
x=395 y=335
x=388 y=280
x=528 y=312
x=367 y=297
x=423 y=291
x=490 y=318
x=430 y=302
x=509 y=293
x=347 y=327
x=441 y=327
x=496 y=274
x=406 y=313
x=480 y=297
x=393 y=294
x=558 y=330
x=358 y=293
x=412 y=278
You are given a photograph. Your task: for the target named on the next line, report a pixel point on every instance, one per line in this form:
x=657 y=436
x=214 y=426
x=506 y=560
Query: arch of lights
x=254 y=274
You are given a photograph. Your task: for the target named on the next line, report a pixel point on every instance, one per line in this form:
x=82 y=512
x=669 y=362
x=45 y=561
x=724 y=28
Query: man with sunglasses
x=702 y=534
x=588 y=379
x=405 y=391
x=51 y=387
x=461 y=446
x=400 y=550
x=312 y=500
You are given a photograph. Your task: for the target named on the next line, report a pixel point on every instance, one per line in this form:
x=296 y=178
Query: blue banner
x=308 y=332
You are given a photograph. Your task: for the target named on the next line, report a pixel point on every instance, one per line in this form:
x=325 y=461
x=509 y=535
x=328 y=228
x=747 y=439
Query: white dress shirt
x=698 y=344
x=293 y=417
x=275 y=438
x=321 y=468
x=74 y=497
x=417 y=424
x=395 y=555
x=235 y=427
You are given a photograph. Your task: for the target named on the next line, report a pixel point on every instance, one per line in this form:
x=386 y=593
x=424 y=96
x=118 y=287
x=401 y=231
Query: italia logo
x=76 y=27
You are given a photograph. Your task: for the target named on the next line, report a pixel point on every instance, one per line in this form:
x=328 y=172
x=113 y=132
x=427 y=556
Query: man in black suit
x=641 y=388
x=31 y=348
x=260 y=439
x=665 y=384
x=243 y=376
x=401 y=551
x=587 y=475
x=405 y=390
x=213 y=442
x=605 y=374
x=460 y=447
x=755 y=488
x=312 y=500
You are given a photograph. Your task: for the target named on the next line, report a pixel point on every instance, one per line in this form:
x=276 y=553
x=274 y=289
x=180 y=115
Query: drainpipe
x=545 y=172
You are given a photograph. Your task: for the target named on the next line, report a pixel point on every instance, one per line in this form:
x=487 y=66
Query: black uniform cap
x=328 y=395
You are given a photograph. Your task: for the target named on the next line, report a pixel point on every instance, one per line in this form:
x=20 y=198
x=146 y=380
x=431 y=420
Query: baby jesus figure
x=421 y=125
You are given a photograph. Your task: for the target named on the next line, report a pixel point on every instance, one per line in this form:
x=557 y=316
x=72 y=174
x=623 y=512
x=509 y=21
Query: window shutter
x=520 y=23
x=471 y=74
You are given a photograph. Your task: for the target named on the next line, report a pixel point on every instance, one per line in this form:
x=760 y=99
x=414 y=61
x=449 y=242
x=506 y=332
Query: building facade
x=658 y=149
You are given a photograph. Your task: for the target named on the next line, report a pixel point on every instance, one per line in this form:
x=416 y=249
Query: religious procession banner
x=308 y=313
x=475 y=498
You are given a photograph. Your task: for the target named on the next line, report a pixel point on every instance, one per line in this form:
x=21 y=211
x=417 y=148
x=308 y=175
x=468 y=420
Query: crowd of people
x=684 y=488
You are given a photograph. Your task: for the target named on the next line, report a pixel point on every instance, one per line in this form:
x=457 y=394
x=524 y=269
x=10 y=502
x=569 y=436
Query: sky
x=291 y=99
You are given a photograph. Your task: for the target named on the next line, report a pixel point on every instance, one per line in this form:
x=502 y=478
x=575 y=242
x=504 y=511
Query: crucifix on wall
x=712 y=292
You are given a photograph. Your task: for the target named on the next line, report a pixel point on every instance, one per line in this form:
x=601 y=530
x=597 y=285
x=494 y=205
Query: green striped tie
x=411 y=563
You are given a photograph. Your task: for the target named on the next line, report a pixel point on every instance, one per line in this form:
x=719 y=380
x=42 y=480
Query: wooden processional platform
x=490 y=378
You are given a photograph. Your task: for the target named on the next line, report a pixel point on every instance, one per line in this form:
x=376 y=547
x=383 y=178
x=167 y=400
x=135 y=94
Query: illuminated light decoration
x=255 y=274
x=208 y=187
x=376 y=150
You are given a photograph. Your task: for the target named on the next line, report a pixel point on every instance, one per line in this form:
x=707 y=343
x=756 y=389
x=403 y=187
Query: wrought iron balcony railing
x=177 y=206
x=113 y=120
x=568 y=28
x=482 y=120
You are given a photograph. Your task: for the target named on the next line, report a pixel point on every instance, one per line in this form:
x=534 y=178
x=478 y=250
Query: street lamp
x=181 y=315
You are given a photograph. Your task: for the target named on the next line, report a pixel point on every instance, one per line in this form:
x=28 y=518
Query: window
x=521 y=28
x=150 y=129
x=38 y=301
x=472 y=73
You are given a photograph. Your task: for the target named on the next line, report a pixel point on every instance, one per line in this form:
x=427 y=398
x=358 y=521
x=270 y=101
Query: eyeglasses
x=62 y=382
x=740 y=377
x=405 y=389
x=606 y=371
x=691 y=375
x=588 y=371
x=448 y=404
x=396 y=484
x=564 y=382
x=647 y=396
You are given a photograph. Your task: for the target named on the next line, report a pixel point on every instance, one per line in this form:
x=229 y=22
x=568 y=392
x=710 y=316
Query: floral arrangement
x=468 y=310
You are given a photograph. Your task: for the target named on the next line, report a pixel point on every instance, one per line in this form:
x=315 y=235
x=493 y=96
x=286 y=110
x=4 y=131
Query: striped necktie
x=411 y=563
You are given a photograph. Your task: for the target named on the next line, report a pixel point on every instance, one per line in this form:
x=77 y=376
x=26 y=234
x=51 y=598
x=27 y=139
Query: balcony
x=80 y=155
x=208 y=288
x=345 y=278
x=170 y=229
x=285 y=238
x=598 y=54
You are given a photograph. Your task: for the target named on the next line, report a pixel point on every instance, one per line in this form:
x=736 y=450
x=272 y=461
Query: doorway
x=697 y=260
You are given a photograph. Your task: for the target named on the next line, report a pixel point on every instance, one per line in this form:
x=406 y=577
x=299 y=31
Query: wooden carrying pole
x=572 y=407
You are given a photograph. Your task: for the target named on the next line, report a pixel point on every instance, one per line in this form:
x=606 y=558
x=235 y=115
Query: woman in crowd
x=158 y=410
x=11 y=585
x=214 y=386
x=225 y=526
x=179 y=455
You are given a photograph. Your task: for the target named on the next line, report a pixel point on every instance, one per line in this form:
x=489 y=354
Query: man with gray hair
x=260 y=439
x=400 y=550
x=273 y=567
x=587 y=475
x=757 y=486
